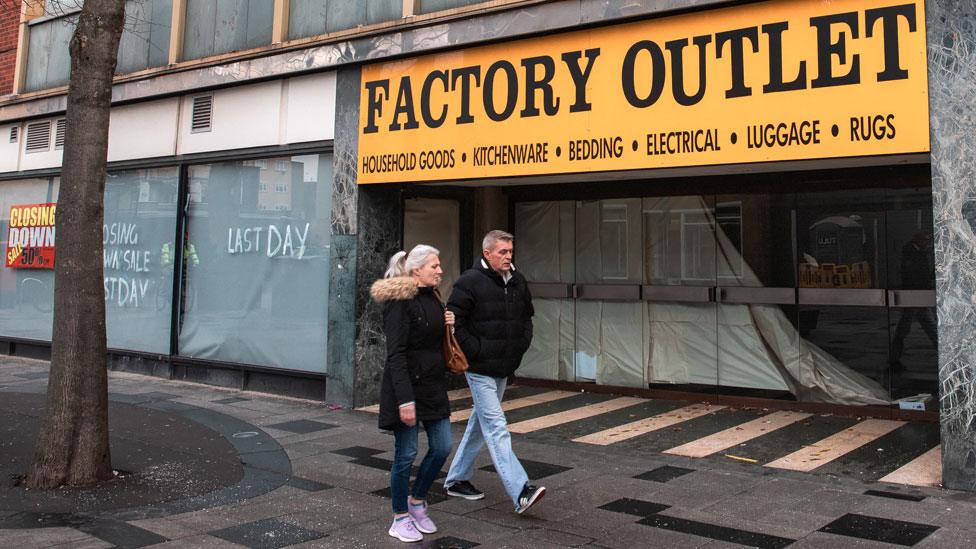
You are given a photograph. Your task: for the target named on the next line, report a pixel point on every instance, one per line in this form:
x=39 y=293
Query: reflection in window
x=613 y=239
x=137 y=240
x=258 y=293
x=728 y=217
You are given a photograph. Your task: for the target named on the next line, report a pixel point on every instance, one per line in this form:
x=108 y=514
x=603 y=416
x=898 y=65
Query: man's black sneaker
x=529 y=496
x=464 y=489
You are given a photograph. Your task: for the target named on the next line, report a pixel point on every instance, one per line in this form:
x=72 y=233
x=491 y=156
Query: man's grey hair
x=493 y=237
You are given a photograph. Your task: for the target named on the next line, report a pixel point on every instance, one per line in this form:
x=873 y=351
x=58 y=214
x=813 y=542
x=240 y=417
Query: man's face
x=499 y=257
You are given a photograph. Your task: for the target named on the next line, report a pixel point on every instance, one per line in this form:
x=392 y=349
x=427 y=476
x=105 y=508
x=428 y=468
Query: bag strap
x=440 y=299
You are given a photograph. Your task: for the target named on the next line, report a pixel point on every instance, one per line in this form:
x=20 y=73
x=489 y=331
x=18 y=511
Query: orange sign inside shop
x=30 y=236
x=762 y=82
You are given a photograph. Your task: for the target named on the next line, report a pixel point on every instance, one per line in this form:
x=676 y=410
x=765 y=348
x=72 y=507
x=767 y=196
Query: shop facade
x=762 y=199
x=738 y=201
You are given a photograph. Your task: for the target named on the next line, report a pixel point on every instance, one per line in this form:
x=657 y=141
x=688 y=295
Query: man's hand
x=408 y=415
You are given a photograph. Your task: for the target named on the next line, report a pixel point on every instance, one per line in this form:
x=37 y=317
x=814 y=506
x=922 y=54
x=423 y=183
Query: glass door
x=758 y=342
x=911 y=294
x=609 y=314
x=842 y=315
x=545 y=253
x=435 y=222
x=679 y=271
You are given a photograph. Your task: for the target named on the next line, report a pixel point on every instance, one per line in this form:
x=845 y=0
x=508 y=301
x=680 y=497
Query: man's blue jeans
x=405 y=453
x=487 y=425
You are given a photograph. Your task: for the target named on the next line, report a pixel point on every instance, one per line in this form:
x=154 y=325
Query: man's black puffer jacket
x=493 y=320
x=413 y=321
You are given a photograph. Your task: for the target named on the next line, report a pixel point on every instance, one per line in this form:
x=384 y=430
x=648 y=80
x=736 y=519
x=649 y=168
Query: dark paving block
x=880 y=529
x=555 y=406
x=789 y=439
x=535 y=469
x=156 y=395
x=448 y=542
x=230 y=400
x=302 y=426
x=688 y=431
x=664 y=474
x=307 y=485
x=511 y=393
x=607 y=420
x=434 y=496
x=366 y=457
x=634 y=507
x=713 y=531
x=894 y=495
x=357 y=451
x=121 y=534
x=267 y=534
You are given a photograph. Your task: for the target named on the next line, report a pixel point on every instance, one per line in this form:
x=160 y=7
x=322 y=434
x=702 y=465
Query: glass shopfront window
x=140 y=221
x=826 y=295
x=26 y=295
x=257 y=262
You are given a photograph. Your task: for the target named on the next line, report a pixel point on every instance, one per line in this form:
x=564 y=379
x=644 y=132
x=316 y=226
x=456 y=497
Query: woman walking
x=414 y=389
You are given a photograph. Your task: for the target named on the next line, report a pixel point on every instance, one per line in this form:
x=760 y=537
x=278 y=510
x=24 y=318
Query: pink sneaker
x=403 y=529
x=420 y=518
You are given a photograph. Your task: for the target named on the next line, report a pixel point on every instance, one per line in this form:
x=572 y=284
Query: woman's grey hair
x=493 y=237
x=403 y=263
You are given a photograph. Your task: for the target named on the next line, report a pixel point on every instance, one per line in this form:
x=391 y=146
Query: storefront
x=736 y=200
x=216 y=236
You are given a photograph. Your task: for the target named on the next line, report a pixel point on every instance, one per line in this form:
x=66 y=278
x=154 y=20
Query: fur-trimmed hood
x=397 y=288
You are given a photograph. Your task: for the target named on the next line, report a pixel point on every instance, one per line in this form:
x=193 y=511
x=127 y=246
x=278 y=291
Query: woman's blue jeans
x=405 y=453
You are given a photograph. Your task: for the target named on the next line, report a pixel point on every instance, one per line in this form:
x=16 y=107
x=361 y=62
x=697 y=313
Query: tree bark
x=73 y=445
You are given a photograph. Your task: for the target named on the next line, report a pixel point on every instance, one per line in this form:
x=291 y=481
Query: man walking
x=493 y=324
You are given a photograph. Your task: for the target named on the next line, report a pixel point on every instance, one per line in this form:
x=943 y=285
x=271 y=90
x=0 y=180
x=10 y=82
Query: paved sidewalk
x=211 y=467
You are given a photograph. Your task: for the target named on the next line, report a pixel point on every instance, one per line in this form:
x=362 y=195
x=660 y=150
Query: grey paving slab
x=200 y=541
x=821 y=540
x=41 y=537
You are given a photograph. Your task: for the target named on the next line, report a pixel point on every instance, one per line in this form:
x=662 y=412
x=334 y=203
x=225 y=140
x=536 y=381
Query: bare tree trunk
x=72 y=447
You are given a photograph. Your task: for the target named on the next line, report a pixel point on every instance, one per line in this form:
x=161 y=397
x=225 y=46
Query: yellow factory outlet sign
x=763 y=82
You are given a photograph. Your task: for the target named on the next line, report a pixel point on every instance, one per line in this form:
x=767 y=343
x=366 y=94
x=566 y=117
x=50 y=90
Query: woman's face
x=430 y=273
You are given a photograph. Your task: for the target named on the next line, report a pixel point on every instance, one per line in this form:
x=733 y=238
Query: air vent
x=202 y=114
x=38 y=136
x=14 y=133
x=59 y=133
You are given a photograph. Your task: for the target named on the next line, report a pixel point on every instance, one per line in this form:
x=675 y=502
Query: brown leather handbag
x=454 y=357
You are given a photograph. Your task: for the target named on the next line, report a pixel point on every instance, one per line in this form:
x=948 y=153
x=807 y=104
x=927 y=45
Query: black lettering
x=580 y=77
x=404 y=105
x=511 y=96
x=429 y=120
x=737 y=38
x=628 y=75
x=675 y=47
x=776 y=84
x=855 y=128
x=533 y=83
x=889 y=22
x=465 y=74
x=890 y=119
x=374 y=103
x=827 y=49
